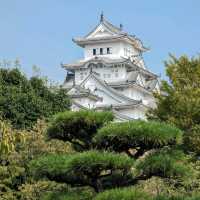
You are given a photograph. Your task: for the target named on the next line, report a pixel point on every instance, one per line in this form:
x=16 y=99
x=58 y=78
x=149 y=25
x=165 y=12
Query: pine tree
x=110 y=155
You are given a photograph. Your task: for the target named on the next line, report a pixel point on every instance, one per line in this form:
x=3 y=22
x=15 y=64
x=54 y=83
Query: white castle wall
x=108 y=74
x=118 y=50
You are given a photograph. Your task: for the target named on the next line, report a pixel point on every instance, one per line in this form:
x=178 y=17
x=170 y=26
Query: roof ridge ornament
x=121 y=27
x=102 y=17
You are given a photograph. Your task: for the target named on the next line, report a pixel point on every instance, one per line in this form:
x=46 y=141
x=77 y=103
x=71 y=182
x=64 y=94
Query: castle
x=112 y=75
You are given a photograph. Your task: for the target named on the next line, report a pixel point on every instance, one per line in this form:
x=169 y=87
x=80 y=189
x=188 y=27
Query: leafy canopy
x=23 y=100
x=81 y=168
x=78 y=127
x=137 y=134
x=165 y=163
x=179 y=100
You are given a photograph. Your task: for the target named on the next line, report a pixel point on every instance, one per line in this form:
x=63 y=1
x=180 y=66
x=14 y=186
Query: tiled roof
x=97 y=59
x=151 y=84
x=113 y=91
x=82 y=92
x=116 y=34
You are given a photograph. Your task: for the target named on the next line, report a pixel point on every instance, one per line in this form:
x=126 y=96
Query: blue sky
x=39 y=32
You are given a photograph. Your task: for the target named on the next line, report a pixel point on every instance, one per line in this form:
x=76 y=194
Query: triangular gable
x=157 y=87
x=77 y=91
x=153 y=85
x=140 y=81
x=100 y=31
x=104 y=28
x=100 y=88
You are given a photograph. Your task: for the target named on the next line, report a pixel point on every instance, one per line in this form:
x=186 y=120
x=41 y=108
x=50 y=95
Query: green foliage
x=26 y=145
x=85 y=156
x=23 y=101
x=137 y=134
x=179 y=100
x=81 y=168
x=36 y=190
x=71 y=194
x=6 y=138
x=195 y=197
x=78 y=127
x=125 y=194
x=192 y=139
x=165 y=163
x=131 y=193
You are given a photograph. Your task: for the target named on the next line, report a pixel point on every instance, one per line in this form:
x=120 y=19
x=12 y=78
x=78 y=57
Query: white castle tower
x=112 y=75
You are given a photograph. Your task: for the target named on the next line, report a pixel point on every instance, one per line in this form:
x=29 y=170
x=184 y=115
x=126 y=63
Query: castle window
x=94 y=52
x=109 y=50
x=101 y=51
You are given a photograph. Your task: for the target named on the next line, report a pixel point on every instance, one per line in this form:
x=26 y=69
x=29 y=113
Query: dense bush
x=165 y=163
x=178 y=102
x=84 y=169
x=73 y=194
x=23 y=100
x=134 y=194
x=139 y=135
x=125 y=194
x=15 y=181
x=78 y=127
x=195 y=197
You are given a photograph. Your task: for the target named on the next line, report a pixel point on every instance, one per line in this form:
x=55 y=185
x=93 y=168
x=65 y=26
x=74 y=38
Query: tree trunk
x=97 y=185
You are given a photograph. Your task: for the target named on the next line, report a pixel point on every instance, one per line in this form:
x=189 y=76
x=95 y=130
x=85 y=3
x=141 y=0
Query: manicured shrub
x=78 y=127
x=142 y=135
x=86 y=168
x=166 y=164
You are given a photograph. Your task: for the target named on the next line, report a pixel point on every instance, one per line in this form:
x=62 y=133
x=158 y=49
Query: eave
x=129 y=84
x=111 y=90
x=121 y=106
x=94 y=60
x=89 y=95
x=118 y=37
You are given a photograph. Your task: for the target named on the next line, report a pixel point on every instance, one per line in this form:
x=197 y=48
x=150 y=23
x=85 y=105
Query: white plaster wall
x=136 y=113
x=74 y=107
x=111 y=74
x=108 y=74
x=80 y=75
x=149 y=100
x=117 y=48
x=86 y=102
x=129 y=47
x=133 y=93
x=101 y=92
